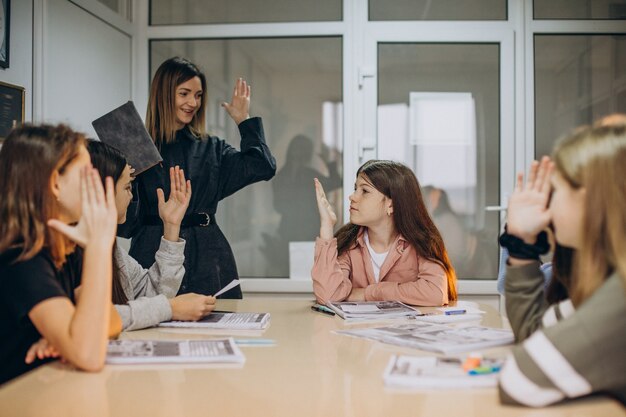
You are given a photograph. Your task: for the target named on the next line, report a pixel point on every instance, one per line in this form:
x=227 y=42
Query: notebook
x=372 y=310
x=123 y=129
x=173 y=351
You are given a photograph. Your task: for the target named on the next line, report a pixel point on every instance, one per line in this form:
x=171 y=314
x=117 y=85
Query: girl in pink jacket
x=390 y=249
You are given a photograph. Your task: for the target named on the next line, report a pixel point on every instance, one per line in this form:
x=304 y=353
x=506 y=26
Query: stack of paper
x=436 y=337
x=433 y=372
x=225 y=321
x=369 y=310
x=174 y=351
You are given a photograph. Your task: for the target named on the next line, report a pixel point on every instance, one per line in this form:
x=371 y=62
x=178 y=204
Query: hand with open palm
x=173 y=210
x=528 y=213
x=239 y=106
x=328 y=218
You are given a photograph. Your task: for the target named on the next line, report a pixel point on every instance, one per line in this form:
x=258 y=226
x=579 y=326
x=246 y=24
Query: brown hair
x=28 y=158
x=161 y=114
x=595 y=159
x=410 y=216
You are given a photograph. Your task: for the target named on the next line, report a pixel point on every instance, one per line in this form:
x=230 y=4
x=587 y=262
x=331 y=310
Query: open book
x=435 y=337
x=435 y=372
x=369 y=310
x=174 y=351
x=225 y=321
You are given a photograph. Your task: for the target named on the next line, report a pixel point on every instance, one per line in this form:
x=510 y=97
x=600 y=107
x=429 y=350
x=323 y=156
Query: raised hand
x=528 y=212
x=98 y=221
x=328 y=218
x=173 y=210
x=239 y=105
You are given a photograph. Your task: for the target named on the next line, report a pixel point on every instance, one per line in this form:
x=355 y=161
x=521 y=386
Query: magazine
x=369 y=310
x=437 y=372
x=435 y=337
x=173 y=351
x=225 y=321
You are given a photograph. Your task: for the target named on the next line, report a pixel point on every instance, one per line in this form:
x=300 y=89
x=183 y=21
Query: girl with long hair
x=390 y=249
x=51 y=198
x=175 y=119
x=146 y=297
x=579 y=346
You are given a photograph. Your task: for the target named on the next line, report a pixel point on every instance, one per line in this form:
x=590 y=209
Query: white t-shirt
x=377 y=258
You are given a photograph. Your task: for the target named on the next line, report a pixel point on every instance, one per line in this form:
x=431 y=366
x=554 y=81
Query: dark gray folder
x=123 y=129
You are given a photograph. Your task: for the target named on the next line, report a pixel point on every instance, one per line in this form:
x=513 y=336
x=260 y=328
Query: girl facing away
x=146 y=297
x=50 y=196
x=390 y=249
x=578 y=348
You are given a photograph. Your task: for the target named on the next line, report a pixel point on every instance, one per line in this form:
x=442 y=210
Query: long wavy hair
x=28 y=158
x=161 y=114
x=595 y=159
x=110 y=162
x=410 y=216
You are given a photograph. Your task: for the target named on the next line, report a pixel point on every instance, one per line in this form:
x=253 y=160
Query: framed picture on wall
x=11 y=108
x=5 y=14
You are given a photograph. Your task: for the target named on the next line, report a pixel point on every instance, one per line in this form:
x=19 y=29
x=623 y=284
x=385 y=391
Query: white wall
x=20 y=71
x=87 y=69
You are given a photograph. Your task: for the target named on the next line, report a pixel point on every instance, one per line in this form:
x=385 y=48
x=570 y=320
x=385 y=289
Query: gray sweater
x=563 y=352
x=148 y=290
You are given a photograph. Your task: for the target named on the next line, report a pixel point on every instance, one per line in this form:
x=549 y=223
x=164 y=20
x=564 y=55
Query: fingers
x=542 y=172
x=30 y=355
x=172 y=180
x=532 y=175
x=248 y=92
x=110 y=193
x=96 y=185
x=160 y=196
x=181 y=181
x=547 y=185
x=519 y=183
x=61 y=227
x=188 y=188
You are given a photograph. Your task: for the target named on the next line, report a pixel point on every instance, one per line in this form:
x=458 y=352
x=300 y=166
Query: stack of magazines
x=372 y=310
x=436 y=337
x=174 y=351
x=432 y=372
x=225 y=321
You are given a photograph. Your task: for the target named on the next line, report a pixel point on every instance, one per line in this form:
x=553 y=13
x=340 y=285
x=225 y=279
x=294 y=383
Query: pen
x=322 y=309
x=450 y=312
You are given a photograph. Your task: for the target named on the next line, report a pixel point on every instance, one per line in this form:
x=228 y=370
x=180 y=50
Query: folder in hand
x=123 y=129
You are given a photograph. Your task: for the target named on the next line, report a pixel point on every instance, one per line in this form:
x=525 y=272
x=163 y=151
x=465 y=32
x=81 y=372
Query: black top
x=216 y=170
x=23 y=285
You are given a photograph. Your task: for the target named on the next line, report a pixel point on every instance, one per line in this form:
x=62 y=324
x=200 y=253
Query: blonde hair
x=595 y=159
x=161 y=113
x=29 y=157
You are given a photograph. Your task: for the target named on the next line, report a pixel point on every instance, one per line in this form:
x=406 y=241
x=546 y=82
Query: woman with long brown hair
x=175 y=120
x=390 y=249
x=52 y=197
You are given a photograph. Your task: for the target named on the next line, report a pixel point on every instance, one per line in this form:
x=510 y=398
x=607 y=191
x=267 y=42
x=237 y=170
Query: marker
x=451 y=312
x=484 y=370
x=255 y=342
x=322 y=309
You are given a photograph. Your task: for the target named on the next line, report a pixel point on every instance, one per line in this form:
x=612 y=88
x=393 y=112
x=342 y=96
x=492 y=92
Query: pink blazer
x=404 y=276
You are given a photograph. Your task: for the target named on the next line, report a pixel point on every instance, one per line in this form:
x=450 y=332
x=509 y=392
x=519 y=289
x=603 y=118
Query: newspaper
x=225 y=321
x=435 y=372
x=173 y=351
x=369 y=310
x=435 y=337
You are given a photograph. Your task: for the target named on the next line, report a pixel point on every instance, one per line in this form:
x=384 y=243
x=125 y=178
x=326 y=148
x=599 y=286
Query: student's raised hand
x=191 y=307
x=528 y=214
x=328 y=218
x=239 y=105
x=98 y=221
x=173 y=210
x=41 y=350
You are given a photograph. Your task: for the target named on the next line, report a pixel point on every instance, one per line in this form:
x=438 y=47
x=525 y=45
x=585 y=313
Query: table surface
x=310 y=371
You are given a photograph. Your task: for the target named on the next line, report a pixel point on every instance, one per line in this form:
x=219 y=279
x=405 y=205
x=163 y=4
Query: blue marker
x=451 y=312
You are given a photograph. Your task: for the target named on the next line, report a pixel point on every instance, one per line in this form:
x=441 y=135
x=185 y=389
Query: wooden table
x=309 y=372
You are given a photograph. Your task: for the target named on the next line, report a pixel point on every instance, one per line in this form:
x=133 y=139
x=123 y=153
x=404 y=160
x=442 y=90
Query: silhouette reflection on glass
x=466 y=248
x=295 y=202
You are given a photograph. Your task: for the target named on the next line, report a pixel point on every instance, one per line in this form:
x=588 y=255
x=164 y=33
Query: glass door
x=442 y=103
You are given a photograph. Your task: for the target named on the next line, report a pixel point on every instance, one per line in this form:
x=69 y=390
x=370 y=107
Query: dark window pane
x=437 y=10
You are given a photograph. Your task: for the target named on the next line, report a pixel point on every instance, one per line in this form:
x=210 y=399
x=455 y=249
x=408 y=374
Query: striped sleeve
x=581 y=354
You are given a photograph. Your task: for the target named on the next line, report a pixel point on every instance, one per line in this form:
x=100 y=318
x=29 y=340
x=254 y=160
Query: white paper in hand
x=231 y=285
